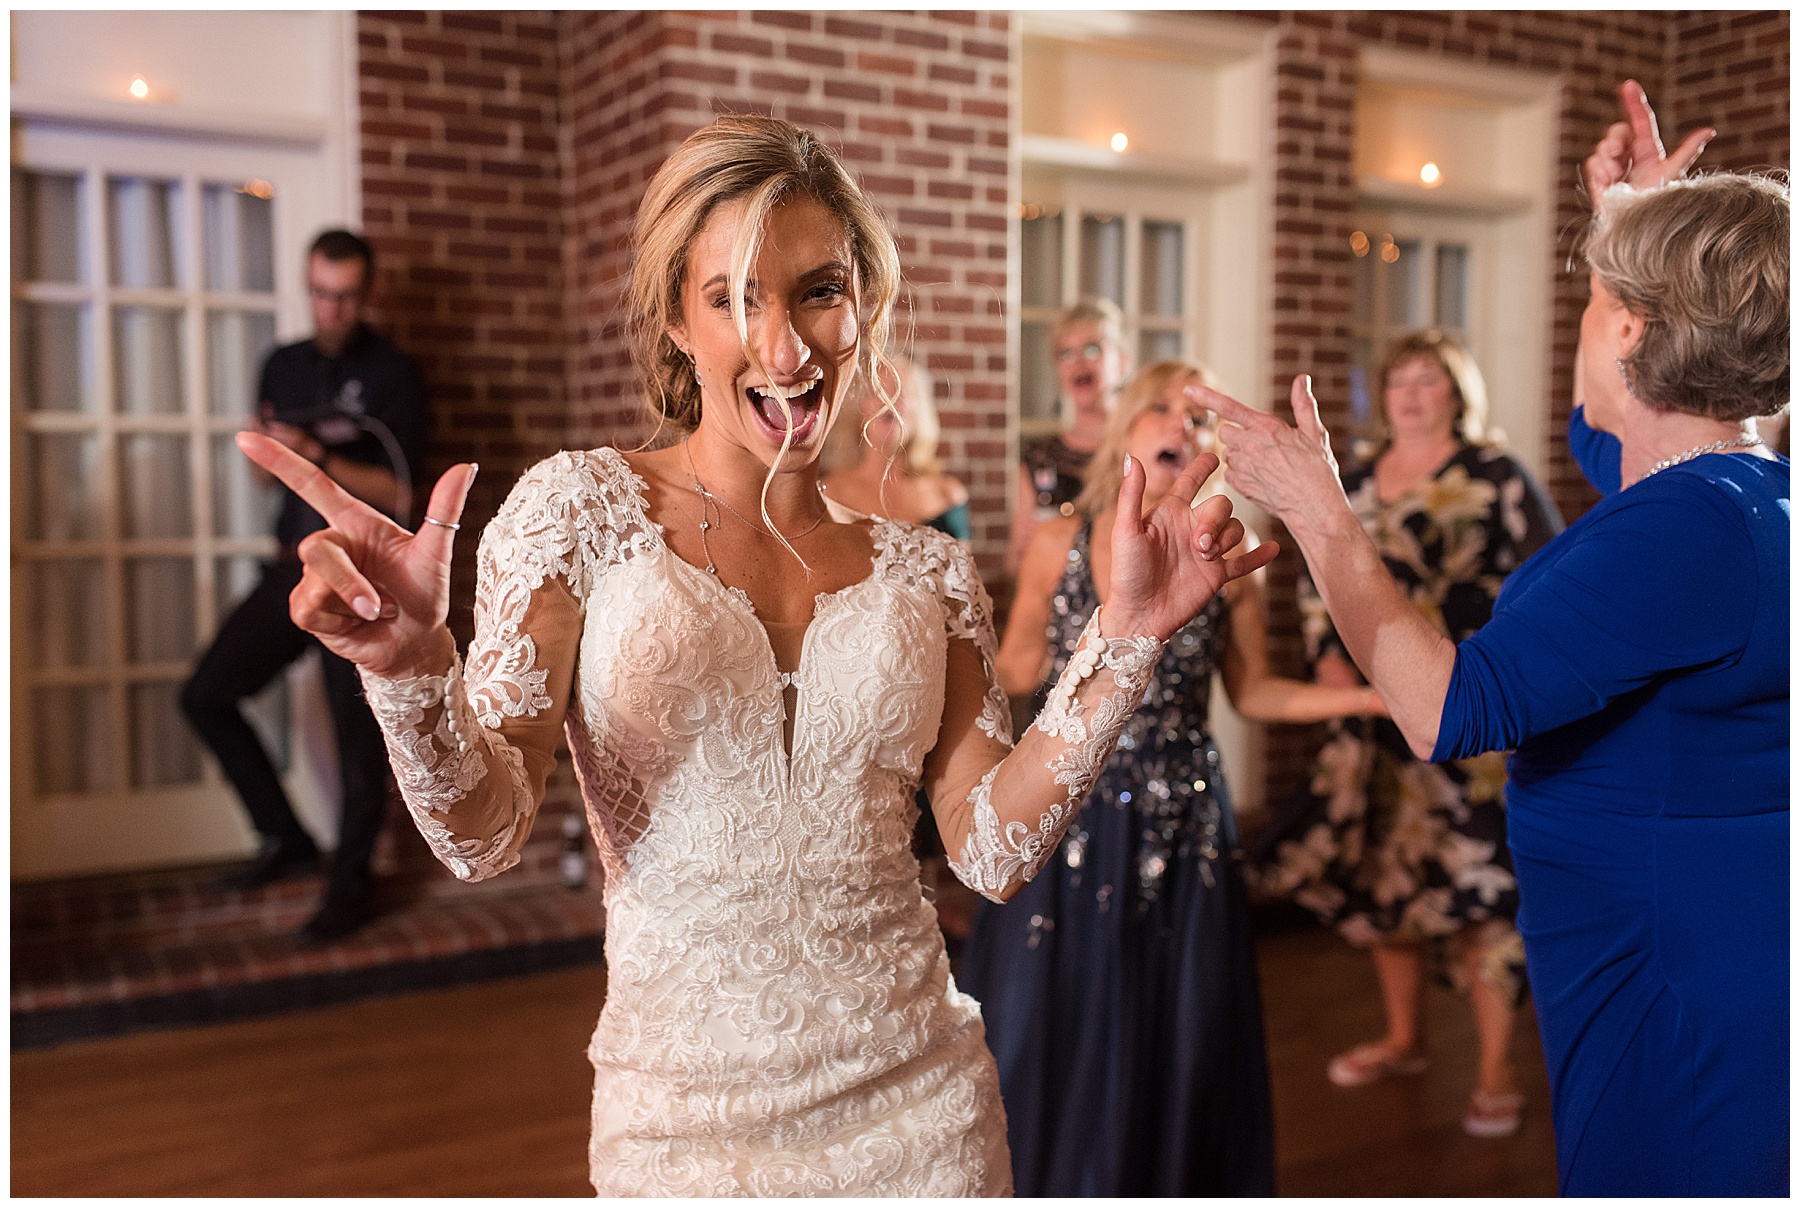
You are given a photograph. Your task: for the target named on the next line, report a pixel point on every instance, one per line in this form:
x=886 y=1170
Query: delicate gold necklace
x=714 y=502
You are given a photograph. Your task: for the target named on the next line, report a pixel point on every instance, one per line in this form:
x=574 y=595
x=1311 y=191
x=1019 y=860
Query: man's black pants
x=254 y=644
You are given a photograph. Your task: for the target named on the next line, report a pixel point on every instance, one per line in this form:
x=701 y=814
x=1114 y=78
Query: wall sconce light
x=258 y=188
x=1359 y=243
x=1390 y=251
x=1429 y=176
x=1120 y=142
x=139 y=89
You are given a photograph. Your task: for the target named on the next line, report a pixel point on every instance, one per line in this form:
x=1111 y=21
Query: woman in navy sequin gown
x=1119 y=988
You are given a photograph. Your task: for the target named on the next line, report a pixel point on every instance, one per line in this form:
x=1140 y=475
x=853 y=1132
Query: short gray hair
x=1704 y=263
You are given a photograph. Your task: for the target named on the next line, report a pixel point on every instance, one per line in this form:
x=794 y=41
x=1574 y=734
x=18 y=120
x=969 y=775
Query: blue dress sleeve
x=1663 y=582
x=1596 y=452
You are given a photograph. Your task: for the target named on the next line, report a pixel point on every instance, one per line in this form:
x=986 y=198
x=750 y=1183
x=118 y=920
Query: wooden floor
x=483 y=1090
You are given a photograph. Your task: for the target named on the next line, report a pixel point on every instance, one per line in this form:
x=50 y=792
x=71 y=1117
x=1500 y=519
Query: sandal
x=1493 y=1114
x=1367 y=1063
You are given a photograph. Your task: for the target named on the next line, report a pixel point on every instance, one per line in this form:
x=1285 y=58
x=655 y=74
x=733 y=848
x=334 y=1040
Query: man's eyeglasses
x=334 y=297
x=1089 y=351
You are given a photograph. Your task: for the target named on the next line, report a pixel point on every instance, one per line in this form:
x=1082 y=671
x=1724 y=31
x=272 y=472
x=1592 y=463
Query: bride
x=753 y=682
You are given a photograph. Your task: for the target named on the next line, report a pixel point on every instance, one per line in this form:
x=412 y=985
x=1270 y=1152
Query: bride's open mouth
x=805 y=403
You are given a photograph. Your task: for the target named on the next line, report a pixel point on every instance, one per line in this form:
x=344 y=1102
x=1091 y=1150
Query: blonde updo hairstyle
x=1106 y=471
x=763 y=162
x=1466 y=383
x=1704 y=263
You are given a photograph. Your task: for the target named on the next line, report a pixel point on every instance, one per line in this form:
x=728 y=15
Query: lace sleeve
x=471 y=749
x=1008 y=822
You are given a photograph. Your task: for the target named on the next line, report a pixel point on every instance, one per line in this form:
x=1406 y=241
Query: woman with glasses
x=1092 y=363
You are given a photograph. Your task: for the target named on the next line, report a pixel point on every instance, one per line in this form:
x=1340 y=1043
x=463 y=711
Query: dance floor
x=483 y=1090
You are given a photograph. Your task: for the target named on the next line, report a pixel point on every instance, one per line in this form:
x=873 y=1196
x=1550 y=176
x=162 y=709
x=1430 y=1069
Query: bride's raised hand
x=1166 y=565
x=372 y=592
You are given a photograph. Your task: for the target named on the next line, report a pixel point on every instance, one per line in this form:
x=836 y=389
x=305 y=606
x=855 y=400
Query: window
x=141 y=309
x=1123 y=246
x=1411 y=272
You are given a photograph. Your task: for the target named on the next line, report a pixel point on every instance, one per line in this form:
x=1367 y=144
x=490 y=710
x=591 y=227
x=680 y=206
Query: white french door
x=150 y=276
x=1139 y=246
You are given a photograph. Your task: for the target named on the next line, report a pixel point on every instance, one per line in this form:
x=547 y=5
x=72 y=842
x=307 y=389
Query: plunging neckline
x=879 y=532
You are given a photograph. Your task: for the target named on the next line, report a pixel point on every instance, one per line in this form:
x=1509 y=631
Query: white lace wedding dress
x=780 y=1016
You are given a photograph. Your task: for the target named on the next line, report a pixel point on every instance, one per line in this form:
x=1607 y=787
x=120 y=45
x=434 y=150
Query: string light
x=1429 y=175
x=1120 y=142
x=140 y=88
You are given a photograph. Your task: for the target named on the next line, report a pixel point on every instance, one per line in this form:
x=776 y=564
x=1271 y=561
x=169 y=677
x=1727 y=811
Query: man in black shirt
x=354 y=405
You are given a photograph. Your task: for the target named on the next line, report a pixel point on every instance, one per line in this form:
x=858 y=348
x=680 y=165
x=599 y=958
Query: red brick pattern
x=1729 y=70
x=463 y=199
x=918 y=104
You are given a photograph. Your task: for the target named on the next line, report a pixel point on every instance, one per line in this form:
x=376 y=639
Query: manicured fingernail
x=366 y=608
x=1128 y=465
x=1206 y=542
x=389 y=611
x=1308 y=378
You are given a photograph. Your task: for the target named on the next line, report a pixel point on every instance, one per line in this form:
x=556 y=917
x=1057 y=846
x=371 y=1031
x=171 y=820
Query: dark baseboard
x=217 y=1004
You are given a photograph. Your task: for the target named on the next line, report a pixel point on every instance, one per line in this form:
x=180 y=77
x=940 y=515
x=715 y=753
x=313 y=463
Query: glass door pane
x=1163 y=269
x=238 y=237
x=46 y=228
x=1103 y=257
x=1452 y=303
x=1041 y=256
x=142 y=234
x=53 y=344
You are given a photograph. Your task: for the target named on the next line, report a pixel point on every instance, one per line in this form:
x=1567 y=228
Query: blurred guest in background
x=1119 y=987
x=1404 y=857
x=884 y=459
x=1092 y=362
x=352 y=404
x=1639 y=665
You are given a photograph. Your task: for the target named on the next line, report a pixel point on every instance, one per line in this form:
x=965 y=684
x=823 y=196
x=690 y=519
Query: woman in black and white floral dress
x=1406 y=858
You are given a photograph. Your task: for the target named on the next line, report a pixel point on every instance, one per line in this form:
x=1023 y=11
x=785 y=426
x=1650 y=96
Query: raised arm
x=471 y=743
x=1002 y=814
x=1291 y=473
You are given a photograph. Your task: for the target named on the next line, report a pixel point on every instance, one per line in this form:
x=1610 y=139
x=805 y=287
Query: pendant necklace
x=709 y=512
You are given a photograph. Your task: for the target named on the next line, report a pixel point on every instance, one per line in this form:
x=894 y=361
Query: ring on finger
x=442 y=523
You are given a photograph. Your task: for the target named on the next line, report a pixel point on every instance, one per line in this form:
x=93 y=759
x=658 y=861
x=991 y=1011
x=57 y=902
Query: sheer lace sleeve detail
x=438 y=766
x=1015 y=814
x=471 y=749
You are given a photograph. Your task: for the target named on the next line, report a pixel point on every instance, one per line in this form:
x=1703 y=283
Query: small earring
x=1629 y=389
x=697 y=380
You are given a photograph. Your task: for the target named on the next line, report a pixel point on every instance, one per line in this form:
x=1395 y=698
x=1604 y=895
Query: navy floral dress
x=1380 y=845
x=1119 y=987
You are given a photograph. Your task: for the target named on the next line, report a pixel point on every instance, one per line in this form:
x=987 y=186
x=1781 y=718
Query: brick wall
x=1729 y=70
x=917 y=104
x=463 y=199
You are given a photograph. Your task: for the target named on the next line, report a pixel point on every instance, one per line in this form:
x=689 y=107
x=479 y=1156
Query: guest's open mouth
x=1170 y=457
x=805 y=403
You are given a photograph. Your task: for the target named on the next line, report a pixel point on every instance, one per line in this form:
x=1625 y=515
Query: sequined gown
x=1119 y=988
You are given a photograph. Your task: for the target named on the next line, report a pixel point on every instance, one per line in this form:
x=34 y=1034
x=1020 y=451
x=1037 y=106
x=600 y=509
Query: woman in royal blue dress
x=1119 y=988
x=1638 y=664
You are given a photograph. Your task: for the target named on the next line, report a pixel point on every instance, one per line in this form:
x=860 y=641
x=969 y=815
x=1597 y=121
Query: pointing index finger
x=1229 y=409
x=302 y=476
